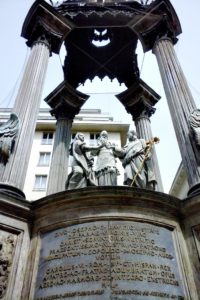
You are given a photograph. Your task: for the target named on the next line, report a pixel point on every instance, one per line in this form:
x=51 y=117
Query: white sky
x=14 y=54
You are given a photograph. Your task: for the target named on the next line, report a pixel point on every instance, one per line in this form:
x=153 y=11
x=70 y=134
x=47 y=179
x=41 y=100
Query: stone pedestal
x=102 y=243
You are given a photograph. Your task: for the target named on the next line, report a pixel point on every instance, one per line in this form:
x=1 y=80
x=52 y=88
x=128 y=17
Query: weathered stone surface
x=7 y=246
x=104 y=243
x=62 y=236
x=14 y=245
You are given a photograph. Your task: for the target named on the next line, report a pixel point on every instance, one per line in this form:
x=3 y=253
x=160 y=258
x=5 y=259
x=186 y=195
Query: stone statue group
x=135 y=158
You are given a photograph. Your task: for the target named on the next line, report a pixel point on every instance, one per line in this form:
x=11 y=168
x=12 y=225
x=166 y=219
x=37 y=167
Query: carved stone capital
x=44 y=24
x=165 y=29
x=62 y=112
x=65 y=101
x=43 y=34
x=145 y=110
x=139 y=100
x=159 y=21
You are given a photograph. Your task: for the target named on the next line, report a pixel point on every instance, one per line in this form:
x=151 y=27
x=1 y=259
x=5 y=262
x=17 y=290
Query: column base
x=194 y=190
x=11 y=190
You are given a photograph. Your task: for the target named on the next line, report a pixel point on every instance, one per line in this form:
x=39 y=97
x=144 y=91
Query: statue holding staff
x=136 y=162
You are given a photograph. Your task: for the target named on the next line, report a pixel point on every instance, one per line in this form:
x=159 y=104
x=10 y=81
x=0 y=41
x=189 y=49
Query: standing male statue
x=137 y=167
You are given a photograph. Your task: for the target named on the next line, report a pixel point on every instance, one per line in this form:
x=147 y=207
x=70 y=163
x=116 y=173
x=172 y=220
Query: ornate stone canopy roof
x=124 y=23
x=118 y=23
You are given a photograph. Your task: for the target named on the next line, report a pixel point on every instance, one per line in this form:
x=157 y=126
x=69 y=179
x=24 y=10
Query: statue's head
x=132 y=136
x=104 y=134
x=80 y=136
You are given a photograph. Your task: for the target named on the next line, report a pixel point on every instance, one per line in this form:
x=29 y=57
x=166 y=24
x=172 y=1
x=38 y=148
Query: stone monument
x=100 y=242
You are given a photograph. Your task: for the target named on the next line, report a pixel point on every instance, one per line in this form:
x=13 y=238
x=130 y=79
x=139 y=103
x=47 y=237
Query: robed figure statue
x=82 y=174
x=137 y=167
x=106 y=171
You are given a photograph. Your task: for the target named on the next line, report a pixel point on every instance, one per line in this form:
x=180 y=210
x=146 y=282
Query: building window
x=47 y=138
x=40 y=182
x=93 y=138
x=44 y=159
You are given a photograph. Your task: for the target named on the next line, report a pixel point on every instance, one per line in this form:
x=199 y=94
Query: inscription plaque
x=109 y=260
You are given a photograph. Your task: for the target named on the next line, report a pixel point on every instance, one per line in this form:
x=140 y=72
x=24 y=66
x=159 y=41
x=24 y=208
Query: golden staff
x=149 y=147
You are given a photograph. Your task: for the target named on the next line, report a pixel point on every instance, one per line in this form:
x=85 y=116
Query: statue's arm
x=86 y=148
x=119 y=152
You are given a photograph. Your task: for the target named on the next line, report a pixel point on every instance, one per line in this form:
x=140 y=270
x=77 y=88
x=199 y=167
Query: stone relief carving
x=7 y=244
x=8 y=134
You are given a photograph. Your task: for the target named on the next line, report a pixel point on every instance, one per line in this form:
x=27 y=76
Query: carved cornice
x=139 y=100
x=65 y=101
x=149 y=22
x=44 y=24
x=43 y=34
x=160 y=20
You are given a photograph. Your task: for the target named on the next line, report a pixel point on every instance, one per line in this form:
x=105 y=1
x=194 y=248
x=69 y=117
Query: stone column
x=143 y=129
x=139 y=101
x=60 y=155
x=65 y=103
x=26 y=107
x=45 y=31
x=181 y=104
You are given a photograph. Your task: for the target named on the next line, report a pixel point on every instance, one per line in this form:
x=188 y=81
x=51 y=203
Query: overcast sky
x=14 y=54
